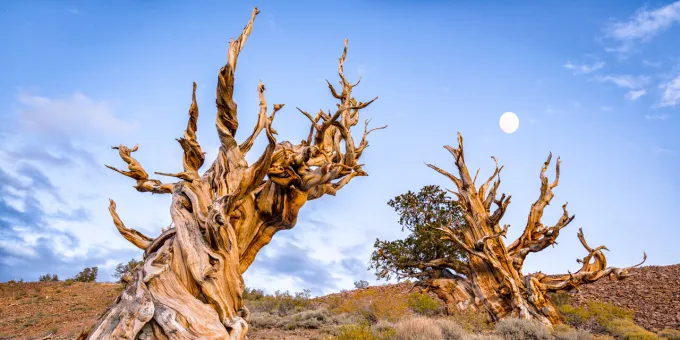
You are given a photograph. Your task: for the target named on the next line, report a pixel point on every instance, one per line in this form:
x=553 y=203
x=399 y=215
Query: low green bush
x=253 y=294
x=87 y=275
x=626 y=329
x=423 y=304
x=601 y=317
x=307 y=319
x=48 y=278
x=565 y=332
x=355 y=332
x=281 y=303
x=669 y=334
x=472 y=321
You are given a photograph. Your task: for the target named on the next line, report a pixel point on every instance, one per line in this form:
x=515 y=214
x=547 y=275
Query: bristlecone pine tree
x=191 y=285
x=490 y=278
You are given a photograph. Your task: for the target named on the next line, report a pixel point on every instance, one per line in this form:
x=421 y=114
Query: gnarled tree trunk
x=191 y=284
x=493 y=280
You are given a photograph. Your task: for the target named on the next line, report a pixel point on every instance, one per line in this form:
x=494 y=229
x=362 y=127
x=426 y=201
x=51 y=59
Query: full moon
x=509 y=122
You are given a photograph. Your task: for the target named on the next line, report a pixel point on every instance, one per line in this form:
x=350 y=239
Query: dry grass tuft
x=418 y=328
x=519 y=329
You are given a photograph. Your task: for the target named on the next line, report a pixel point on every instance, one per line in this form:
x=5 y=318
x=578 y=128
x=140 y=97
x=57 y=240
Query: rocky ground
x=653 y=292
x=60 y=310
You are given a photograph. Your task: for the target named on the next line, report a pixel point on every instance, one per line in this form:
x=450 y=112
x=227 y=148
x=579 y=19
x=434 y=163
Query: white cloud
x=635 y=94
x=635 y=84
x=625 y=80
x=657 y=117
x=648 y=63
x=584 y=68
x=73 y=11
x=606 y=108
x=45 y=158
x=671 y=92
x=17 y=249
x=77 y=114
x=621 y=50
x=642 y=26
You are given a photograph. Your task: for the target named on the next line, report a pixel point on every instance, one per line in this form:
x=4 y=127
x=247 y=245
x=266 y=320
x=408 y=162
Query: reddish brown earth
x=59 y=310
x=653 y=293
x=389 y=290
x=36 y=310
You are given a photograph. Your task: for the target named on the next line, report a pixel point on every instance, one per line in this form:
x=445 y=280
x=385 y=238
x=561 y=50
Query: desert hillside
x=653 y=293
x=59 y=310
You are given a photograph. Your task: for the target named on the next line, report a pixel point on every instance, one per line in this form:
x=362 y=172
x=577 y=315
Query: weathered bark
x=493 y=280
x=191 y=284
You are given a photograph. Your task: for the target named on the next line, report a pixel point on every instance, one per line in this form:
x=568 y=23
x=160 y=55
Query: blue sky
x=595 y=83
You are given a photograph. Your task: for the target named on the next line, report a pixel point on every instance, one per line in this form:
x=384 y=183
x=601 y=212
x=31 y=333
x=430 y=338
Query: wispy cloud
x=606 y=108
x=642 y=26
x=584 y=68
x=549 y=110
x=664 y=151
x=41 y=230
x=60 y=152
x=635 y=94
x=624 y=80
x=37 y=179
x=671 y=92
x=287 y=259
x=73 y=11
x=635 y=84
x=657 y=117
x=653 y=64
x=78 y=114
x=29 y=247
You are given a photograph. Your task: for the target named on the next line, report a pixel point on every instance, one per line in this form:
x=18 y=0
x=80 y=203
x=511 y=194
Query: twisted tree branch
x=144 y=184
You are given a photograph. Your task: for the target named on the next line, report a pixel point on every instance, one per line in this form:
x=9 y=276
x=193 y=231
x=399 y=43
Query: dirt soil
x=36 y=310
x=60 y=310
